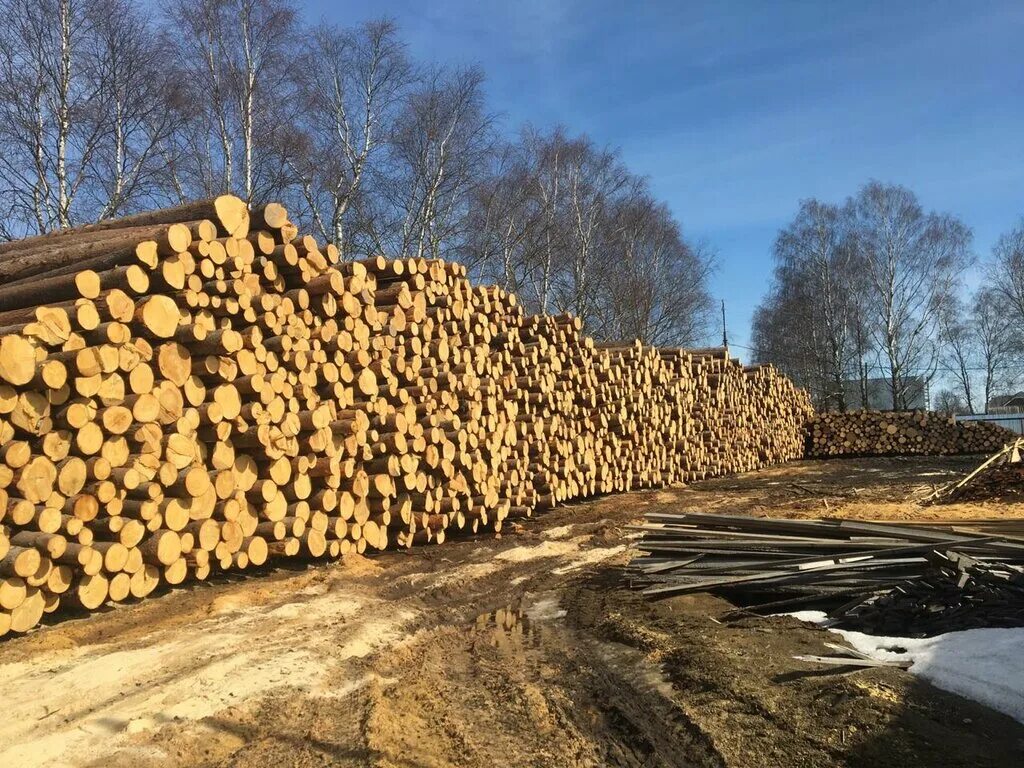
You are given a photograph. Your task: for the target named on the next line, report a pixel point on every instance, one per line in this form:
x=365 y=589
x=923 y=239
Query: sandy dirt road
x=528 y=650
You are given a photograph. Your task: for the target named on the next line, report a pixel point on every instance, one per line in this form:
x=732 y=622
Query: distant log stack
x=202 y=389
x=900 y=433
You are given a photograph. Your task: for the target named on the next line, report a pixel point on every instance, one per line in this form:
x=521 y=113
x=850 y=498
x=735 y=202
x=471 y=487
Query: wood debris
x=1000 y=475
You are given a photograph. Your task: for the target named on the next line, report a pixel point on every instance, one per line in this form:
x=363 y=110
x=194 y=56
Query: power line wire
x=1015 y=365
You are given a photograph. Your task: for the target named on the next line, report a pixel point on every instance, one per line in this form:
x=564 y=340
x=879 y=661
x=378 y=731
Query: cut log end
x=17 y=360
x=232 y=215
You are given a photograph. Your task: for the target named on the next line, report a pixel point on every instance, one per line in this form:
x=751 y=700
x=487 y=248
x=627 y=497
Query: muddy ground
x=523 y=650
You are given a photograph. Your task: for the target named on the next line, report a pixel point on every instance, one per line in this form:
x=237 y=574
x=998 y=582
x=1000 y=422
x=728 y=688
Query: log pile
x=900 y=433
x=202 y=389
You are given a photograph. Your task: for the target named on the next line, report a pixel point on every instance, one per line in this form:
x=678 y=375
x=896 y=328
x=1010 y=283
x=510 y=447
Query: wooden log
x=228 y=211
x=17 y=360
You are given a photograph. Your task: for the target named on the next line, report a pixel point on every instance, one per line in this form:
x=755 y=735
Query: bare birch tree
x=207 y=142
x=418 y=202
x=135 y=107
x=869 y=286
x=237 y=57
x=958 y=354
x=999 y=342
x=502 y=219
x=815 y=252
x=549 y=157
x=257 y=58
x=812 y=322
x=981 y=344
x=593 y=181
x=1006 y=272
x=570 y=229
x=912 y=261
x=654 y=283
x=350 y=85
x=49 y=133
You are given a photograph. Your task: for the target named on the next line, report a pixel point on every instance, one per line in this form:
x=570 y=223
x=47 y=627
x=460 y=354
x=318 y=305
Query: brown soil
x=523 y=650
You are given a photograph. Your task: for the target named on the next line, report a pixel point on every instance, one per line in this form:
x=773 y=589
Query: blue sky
x=737 y=110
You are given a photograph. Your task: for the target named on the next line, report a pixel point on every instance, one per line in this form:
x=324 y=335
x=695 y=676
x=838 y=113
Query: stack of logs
x=201 y=389
x=897 y=433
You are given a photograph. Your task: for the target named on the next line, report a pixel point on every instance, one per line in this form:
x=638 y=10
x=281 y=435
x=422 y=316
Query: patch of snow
x=986 y=665
x=812 y=617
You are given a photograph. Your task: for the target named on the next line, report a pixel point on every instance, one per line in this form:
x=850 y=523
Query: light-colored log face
x=217 y=392
x=17 y=360
x=160 y=315
x=92 y=591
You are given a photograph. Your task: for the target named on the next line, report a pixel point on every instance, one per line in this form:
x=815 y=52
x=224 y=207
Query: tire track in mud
x=519 y=684
x=79 y=697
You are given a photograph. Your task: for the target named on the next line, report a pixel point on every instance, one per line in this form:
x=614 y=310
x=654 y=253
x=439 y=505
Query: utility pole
x=725 y=335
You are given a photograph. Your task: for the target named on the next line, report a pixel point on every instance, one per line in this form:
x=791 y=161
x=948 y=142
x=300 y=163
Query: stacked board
x=202 y=389
x=898 y=579
x=899 y=433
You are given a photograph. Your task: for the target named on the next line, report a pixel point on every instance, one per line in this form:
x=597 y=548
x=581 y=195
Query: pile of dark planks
x=895 y=579
x=958 y=592
x=1004 y=482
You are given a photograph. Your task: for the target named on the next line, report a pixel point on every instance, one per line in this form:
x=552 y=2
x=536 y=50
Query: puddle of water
x=545 y=609
x=509 y=629
x=522 y=629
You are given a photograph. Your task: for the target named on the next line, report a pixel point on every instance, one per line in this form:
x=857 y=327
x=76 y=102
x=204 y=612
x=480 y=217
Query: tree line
x=105 y=112
x=873 y=288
